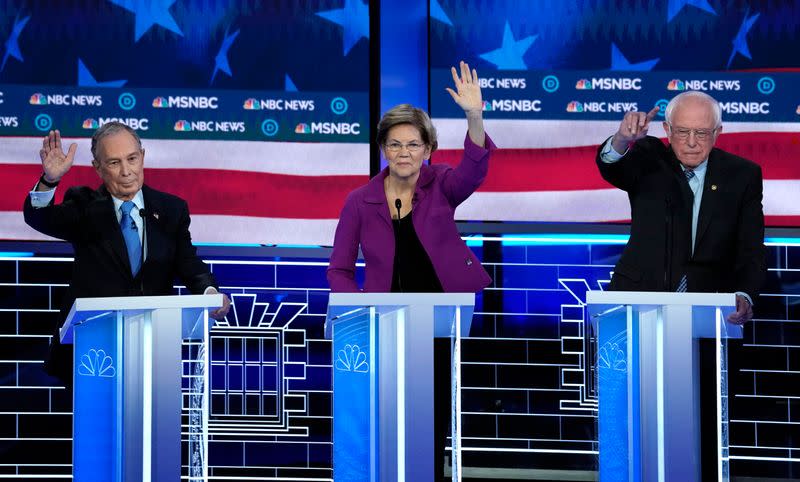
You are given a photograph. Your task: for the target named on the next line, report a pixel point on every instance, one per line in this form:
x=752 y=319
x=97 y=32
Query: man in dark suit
x=129 y=239
x=697 y=223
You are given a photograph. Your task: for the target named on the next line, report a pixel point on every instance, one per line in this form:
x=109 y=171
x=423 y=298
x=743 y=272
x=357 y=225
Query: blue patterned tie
x=682 y=284
x=131 y=235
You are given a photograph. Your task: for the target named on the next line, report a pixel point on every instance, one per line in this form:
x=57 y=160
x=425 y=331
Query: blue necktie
x=131 y=235
x=683 y=283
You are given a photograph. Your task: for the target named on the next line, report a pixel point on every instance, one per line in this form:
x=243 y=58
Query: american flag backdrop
x=256 y=113
x=559 y=77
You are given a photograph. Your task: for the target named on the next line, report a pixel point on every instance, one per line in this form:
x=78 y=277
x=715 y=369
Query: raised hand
x=634 y=125
x=55 y=163
x=468 y=91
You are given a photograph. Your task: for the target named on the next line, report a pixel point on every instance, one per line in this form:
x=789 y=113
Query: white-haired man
x=697 y=223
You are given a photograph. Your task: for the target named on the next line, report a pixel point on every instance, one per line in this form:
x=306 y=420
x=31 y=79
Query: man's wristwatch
x=47 y=183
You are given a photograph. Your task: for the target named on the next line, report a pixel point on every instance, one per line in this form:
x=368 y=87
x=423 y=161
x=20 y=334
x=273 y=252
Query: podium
x=383 y=426
x=648 y=374
x=130 y=356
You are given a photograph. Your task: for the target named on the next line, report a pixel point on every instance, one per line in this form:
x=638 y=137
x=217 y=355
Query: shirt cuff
x=40 y=199
x=746 y=296
x=608 y=154
x=208 y=290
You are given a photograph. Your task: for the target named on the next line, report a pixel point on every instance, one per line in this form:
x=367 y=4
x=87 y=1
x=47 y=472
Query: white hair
x=716 y=110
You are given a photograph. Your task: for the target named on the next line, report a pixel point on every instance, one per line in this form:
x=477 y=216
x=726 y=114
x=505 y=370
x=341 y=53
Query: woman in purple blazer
x=403 y=218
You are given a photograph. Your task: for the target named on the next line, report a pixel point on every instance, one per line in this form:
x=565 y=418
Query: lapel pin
x=713 y=187
x=155 y=215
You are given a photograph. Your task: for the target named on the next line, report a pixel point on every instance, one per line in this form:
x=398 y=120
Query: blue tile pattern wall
x=528 y=395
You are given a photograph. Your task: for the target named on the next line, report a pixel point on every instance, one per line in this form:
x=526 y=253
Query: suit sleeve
x=62 y=221
x=625 y=173
x=341 y=271
x=188 y=266
x=750 y=269
x=459 y=183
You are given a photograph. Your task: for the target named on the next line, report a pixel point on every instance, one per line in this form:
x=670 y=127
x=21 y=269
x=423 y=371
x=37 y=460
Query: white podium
x=648 y=382
x=383 y=427
x=130 y=356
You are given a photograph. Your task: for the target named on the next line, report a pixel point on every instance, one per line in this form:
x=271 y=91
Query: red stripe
x=573 y=168
x=785 y=221
x=209 y=191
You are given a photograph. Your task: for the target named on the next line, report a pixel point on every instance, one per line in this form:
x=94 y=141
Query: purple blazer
x=365 y=221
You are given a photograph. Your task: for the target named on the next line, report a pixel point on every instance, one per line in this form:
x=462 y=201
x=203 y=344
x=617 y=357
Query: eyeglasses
x=699 y=134
x=411 y=146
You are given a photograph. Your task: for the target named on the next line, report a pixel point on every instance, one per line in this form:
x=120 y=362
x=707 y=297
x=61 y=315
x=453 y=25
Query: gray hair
x=109 y=129
x=408 y=114
x=716 y=110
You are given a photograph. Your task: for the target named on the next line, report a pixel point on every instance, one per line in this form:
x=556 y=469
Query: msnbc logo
x=160 y=103
x=38 y=99
x=583 y=84
x=798 y=109
x=90 y=124
x=302 y=128
x=252 y=104
x=574 y=106
x=182 y=126
x=487 y=106
x=676 y=84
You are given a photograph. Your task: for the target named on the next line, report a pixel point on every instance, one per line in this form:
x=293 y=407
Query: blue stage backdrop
x=528 y=390
x=274 y=96
x=559 y=76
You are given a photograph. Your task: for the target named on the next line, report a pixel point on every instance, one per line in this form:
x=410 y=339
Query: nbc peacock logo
x=584 y=84
x=90 y=124
x=38 y=99
x=252 y=104
x=487 y=106
x=574 y=106
x=182 y=126
x=676 y=84
x=302 y=128
x=160 y=102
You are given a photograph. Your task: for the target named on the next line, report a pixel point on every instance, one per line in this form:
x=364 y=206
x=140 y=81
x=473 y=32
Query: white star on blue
x=86 y=79
x=221 y=60
x=437 y=13
x=619 y=62
x=740 y=41
x=289 y=84
x=509 y=55
x=12 y=44
x=676 y=6
x=149 y=13
x=353 y=18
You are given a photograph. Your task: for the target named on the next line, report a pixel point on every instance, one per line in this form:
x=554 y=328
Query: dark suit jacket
x=87 y=219
x=729 y=250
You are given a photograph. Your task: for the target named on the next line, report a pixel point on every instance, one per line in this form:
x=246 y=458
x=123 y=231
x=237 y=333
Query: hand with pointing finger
x=633 y=127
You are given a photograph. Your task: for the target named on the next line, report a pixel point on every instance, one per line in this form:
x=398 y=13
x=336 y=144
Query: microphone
x=668 y=228
x=398 y=204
